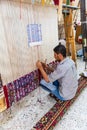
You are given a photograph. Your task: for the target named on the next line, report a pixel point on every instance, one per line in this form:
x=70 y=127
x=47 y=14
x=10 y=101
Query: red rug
x=52 y=117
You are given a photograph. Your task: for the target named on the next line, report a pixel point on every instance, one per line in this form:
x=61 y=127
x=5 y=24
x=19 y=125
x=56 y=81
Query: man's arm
x=44 y=74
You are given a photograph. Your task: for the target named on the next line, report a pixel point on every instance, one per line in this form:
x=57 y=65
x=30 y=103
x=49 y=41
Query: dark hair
x=60 y=49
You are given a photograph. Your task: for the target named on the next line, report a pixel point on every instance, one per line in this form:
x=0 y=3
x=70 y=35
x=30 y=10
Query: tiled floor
x=25 y=114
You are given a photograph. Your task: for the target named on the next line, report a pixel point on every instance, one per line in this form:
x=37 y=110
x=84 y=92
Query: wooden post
x=60 y=10
x=69 y=33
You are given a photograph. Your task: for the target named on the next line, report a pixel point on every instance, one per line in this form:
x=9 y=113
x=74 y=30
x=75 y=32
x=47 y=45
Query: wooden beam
x=69 y=33
x=23 y=1
x=34 y=3
x=60 y=10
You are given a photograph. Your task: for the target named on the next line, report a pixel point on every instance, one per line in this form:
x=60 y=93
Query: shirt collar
x=64 y=60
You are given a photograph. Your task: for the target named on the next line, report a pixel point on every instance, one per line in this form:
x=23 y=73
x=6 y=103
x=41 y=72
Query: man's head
x=59 y=52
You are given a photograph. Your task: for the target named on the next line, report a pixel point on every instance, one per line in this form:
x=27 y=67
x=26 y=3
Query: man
x=63 y=81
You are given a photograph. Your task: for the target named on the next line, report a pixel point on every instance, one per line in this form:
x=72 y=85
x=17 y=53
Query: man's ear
x=60 y=55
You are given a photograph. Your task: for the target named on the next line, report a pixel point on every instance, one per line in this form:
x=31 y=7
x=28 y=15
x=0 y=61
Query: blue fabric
x=52 y=88
x=80 y=52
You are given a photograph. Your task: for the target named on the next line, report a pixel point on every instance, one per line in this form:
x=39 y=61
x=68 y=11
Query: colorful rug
x=53 y=116
x=21 y=87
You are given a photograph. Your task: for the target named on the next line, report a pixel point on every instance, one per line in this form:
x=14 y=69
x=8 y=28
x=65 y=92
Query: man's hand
x=47 y=67
x=44 y=65
x=43 y=72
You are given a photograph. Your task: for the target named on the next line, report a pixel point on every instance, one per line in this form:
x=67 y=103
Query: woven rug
x=52 y=117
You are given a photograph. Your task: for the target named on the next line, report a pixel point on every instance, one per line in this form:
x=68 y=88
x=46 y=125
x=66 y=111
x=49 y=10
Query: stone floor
x=25 y=114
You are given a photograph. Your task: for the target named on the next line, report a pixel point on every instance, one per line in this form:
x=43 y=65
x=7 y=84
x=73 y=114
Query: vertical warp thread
x=39 y=75
x=20 y=8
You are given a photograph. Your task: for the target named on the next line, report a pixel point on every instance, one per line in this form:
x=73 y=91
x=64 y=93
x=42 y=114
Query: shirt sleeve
x=57 y=74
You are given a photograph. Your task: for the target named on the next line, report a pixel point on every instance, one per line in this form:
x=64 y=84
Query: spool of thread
x=1 y=84
x=2 y=102
x=68 y=2
x=43 y=2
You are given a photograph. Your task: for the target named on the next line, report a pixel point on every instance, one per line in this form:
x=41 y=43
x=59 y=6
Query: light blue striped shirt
x=66 y=75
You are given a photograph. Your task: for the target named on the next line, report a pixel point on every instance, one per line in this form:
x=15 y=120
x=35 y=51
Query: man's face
x=57 y=56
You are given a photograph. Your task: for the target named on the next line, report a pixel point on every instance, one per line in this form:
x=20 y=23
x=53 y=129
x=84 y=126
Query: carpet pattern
x=53 y=116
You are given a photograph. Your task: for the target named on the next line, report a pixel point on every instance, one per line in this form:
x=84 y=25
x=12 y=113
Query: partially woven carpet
x=52 y=117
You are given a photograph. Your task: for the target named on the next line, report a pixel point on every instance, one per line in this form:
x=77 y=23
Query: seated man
x=62 y=82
